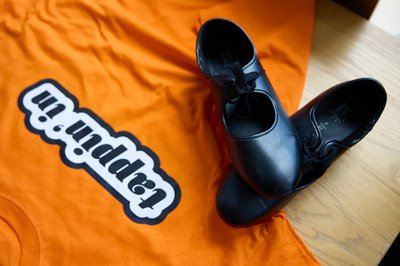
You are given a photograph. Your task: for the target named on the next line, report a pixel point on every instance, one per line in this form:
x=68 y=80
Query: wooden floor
x=352 y=214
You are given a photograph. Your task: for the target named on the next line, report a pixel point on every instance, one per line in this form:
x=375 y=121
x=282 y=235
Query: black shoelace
x=241 y=87
x=317 y=157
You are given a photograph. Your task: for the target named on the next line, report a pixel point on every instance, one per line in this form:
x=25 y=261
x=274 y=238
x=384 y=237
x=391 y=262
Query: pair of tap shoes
x=273 y=155
x=327 y=126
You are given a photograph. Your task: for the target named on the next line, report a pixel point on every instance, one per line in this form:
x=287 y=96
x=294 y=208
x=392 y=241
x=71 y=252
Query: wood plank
x=352 y=214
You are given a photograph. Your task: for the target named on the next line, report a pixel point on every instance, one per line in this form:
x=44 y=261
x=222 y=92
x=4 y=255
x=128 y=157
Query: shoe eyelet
x=251 y=84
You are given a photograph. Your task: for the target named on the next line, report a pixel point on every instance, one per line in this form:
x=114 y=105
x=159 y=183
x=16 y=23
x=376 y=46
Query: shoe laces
x=241 y=87
x=318 y=157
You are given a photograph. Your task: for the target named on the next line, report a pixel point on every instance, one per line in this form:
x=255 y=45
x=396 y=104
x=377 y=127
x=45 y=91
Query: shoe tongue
x=238 y=73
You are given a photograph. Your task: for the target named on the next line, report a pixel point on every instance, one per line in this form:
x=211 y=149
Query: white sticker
x=117 y=160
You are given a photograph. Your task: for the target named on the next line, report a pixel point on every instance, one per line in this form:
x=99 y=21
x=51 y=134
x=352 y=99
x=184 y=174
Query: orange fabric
x=132 y=63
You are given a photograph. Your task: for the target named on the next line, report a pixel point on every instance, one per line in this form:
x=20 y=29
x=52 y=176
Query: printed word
x=117 y=161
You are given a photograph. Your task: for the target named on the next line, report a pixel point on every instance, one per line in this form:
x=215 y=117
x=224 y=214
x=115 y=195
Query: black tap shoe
x=328 y=125
x=261 y=139
x=240 y=206
x=336 y=120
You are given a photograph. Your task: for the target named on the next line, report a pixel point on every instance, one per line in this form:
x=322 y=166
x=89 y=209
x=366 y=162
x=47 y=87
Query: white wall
x=387 y=16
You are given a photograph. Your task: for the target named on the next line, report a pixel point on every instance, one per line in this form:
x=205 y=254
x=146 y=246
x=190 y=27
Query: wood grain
x=352 y=214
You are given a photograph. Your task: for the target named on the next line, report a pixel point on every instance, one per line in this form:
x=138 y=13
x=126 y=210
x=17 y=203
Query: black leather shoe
x=240 y=206
x=328 y=125
x=336 y=120
x=262 y=141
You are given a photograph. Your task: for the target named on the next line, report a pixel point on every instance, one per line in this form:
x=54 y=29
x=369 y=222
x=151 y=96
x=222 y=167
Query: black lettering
x=79 y=130
x=118 y=165
x=44 y=100
x=47 y=102
x=75 y=127
x=124 y=168
x=82 y=133
x=55 y=111
x=139 y=182
x=158 y=196
x=93 y=141
x=40 y=97
x=106 y=153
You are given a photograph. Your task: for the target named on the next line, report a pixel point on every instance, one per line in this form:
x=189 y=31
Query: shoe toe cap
x=273 y=170
x=239 y=205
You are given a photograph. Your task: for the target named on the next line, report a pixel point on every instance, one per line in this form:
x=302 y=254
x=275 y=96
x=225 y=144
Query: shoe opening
x=223 y=42
x=251 y=115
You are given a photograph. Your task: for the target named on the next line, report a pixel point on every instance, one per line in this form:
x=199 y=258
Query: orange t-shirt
x=111 y=151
